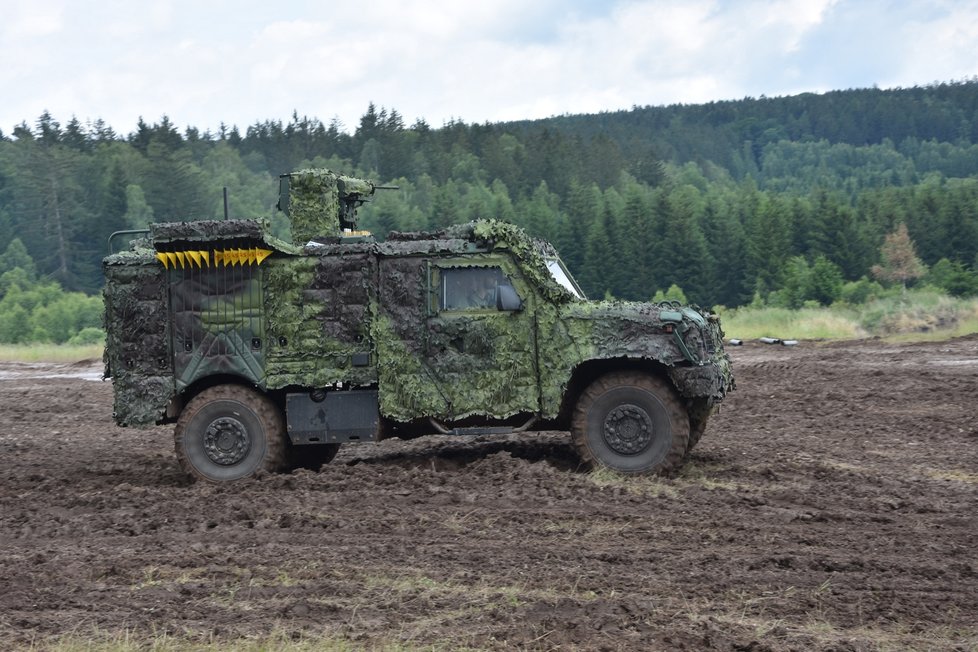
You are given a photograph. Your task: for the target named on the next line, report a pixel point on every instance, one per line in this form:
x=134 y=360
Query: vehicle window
x=560 y=274
x=475 y=288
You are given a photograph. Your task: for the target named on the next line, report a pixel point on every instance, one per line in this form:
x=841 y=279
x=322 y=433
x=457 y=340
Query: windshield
x=563 y=277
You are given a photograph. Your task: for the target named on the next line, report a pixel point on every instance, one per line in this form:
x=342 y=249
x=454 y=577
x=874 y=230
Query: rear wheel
x=630 y=422
x=230 y=432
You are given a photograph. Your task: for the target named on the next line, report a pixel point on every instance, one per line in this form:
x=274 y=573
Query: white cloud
x=241 y=62
x=27 y=20
x=938 y=50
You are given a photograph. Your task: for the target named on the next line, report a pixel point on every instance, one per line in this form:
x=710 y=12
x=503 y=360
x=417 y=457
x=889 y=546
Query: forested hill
x=722 y=132
x=776 y=199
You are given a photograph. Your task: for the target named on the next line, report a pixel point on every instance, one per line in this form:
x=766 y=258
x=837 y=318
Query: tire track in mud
x=831 y=505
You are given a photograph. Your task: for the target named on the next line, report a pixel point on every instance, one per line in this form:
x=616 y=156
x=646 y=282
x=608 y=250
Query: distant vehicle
x=268 y=354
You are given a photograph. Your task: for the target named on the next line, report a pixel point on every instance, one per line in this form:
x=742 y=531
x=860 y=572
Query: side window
x=470 y=288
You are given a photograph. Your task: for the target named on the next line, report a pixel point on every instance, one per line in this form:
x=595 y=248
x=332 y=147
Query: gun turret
x=320 y=202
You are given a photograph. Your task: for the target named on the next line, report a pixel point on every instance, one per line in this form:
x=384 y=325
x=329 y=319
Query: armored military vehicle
x=268 y=354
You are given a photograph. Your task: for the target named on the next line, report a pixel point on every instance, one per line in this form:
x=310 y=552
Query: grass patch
x=815 y=629
x=965 y=326
x=643 y=485
x=803 y=324
x=129 y=641
x=700 y=475
x=690 y=475
x=418 y=585
x=914 y=316
x=920 y=313
x=957 y=475
x=49 y=352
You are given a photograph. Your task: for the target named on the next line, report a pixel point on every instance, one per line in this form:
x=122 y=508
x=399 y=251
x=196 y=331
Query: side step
x=482 y=430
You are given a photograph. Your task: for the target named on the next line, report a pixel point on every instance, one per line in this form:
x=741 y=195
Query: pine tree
x=900 y=263
x=686 y=257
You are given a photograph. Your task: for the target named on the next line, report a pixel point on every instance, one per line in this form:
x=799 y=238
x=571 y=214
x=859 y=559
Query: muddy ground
x=830 y=506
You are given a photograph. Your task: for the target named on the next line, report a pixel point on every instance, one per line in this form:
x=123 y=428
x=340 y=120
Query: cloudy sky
x=204 y=62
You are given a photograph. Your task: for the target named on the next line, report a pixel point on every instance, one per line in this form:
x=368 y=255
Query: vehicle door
x=480 y=344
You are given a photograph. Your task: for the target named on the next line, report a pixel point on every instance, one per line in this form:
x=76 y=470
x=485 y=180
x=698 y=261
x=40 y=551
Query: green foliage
x=722 y=199
x=87 y=336
x=16 y=257
x=820 y=283
x=861 y=291
x=796 y=285
x=15 y=324
x=674 y=293
x=953 y=277
x=916 y=311
x=825 y=283
x=43 y=312
x=17 y=276
x=753 y=322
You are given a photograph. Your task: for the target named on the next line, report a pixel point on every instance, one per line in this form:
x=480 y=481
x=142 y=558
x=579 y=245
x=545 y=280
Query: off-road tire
x=630 y=422
x=310 y=456
x=228 y=433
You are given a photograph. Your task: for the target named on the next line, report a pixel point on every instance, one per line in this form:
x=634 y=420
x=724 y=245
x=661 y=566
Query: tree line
x=731 y=202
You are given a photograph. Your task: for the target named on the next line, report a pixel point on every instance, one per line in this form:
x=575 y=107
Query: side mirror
x=507 y=299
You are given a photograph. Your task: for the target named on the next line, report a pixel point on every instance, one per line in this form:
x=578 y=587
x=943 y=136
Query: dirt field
x=832 y=505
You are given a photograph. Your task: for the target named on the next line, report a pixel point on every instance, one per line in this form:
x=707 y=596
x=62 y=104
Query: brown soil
x=831 y=505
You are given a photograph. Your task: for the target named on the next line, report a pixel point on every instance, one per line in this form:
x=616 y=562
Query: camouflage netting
x=624 y=328
x=485 y=363
x=362 y=314
x=408 y=389
x=502 y=235
x=320 y=203
x=205 y=230
x=317 y=310
x=137 y=352
x=485 y=236
x=402 y=297
x=257 y=232
x=407 y=386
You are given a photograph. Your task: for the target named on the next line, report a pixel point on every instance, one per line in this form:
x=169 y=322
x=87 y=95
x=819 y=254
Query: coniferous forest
x=783 y=200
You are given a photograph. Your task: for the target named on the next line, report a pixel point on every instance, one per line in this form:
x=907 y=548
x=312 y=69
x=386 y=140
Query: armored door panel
x=480 y=340
x=408 y=389
x=318 y=314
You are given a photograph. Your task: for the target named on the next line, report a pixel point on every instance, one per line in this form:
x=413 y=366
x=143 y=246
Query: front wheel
x=630 y=422
x=230 y=432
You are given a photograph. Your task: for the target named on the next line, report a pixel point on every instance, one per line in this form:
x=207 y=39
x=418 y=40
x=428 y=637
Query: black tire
x=311 y=456
x=228 y=433
x=630 y=422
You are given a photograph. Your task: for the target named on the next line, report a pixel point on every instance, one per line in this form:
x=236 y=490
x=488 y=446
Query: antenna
x=226 y=203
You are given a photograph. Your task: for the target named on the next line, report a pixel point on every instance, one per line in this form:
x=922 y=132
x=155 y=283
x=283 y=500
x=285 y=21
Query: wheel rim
x=226 y=441
x=628 y=429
